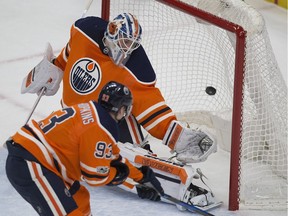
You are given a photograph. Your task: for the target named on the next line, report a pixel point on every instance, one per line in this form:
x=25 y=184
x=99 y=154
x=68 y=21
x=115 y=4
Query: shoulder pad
x=140 y=66
x=93 y=27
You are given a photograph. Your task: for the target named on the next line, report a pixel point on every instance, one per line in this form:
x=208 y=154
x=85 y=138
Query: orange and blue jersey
x=87 y=68
x=76 y=143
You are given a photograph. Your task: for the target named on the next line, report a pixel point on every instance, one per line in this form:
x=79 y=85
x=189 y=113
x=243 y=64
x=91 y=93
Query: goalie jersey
x=87 y=68
x=76 y=142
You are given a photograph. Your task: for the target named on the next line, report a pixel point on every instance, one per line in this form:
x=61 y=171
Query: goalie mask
x=113 y=96
x=122 y=37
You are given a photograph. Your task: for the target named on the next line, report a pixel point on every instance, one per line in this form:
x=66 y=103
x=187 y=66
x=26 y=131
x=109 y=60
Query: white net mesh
x=188 y=55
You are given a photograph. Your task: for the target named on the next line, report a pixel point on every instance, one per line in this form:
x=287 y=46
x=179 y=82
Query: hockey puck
x=210 y=90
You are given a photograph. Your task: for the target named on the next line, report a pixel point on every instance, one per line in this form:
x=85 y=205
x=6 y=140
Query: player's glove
x=145 y=192
x=149 y=187
x=191 y=146
x=45 y=74
x=121 y=174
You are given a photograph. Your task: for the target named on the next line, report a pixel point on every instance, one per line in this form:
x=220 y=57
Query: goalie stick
x=31 y=112
x=36 y=103
x=86 y=8
x=189 y=207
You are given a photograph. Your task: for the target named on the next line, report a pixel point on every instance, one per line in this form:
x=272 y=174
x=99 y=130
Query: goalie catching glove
x=43 y=75
x=191 y=146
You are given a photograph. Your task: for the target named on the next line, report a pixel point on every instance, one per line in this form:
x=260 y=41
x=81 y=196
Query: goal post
x=223 y=44
x=238 y=88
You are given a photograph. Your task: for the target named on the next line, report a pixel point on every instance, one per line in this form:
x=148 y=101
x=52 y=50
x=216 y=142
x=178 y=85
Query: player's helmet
x=122 y=37
x=113 y=96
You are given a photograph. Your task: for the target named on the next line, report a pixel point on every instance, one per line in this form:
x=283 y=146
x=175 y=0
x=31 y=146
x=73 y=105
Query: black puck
x=210 y=90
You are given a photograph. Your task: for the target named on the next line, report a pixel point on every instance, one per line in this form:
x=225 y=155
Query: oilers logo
x=85 y=76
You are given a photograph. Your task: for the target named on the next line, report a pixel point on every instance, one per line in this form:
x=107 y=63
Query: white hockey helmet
x=122 y=37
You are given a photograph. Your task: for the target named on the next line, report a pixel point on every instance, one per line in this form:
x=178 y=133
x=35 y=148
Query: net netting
x=190 y=54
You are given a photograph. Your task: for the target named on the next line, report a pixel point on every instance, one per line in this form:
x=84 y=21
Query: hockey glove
x=191 y=146
x=45 y=74
x=149 y=179
x=145 y=192
x=121 y=174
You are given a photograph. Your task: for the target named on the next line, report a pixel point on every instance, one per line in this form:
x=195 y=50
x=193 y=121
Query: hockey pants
x=42 y=188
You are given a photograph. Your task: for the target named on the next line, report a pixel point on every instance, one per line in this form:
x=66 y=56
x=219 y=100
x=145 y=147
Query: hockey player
x=99 y=51
x=47 y=159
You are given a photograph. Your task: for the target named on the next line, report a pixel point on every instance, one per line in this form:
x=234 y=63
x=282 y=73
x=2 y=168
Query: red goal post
x=227 y=40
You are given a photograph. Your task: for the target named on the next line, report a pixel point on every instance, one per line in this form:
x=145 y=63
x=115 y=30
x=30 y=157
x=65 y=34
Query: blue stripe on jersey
x=107 y=121
x=138 y=64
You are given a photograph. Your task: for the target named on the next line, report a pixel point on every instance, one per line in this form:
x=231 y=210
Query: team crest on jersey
x=85 y=76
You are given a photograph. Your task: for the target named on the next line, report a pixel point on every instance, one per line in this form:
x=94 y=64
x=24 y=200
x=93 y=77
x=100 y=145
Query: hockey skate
x=197 y=196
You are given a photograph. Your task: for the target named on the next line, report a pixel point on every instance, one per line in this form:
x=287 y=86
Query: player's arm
x=144 y=175
x=111 y=169
x=99 y=165
x=141 y=175
x=190 y=145
x=61 y=60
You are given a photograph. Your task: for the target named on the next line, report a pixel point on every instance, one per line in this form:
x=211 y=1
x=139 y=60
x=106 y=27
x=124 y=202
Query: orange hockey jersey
x=87 y=68
x=76 y=143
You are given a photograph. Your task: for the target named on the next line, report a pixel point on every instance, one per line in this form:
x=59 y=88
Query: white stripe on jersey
x=64 y=55
x=51 y=150
x=158 y=121
x=39 y=145
x=139 y=117
x=134 y=136
x=89 y=168
x=94 y=182
x=42 y=189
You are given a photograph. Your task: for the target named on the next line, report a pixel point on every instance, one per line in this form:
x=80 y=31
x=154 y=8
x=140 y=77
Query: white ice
x=26 y=27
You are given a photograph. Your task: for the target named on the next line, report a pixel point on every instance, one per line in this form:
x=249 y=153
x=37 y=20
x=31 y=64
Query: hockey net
x=224 y=44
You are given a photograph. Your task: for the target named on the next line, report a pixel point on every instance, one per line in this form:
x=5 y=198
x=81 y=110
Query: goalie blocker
x=178 y=180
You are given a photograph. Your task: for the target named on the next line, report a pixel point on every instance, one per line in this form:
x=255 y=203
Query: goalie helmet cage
x=224 y=45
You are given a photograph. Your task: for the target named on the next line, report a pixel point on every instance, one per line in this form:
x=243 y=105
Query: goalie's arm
x=61 y=60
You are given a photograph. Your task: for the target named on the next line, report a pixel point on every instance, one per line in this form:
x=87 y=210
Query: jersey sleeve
x=151 y=110
x=61 y=60
x=95 y=158
x=97 y=147
x=149 y=106
x=134 y=173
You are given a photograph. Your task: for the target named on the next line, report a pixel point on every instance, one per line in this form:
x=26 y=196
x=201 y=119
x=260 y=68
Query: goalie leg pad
x=175 y=178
